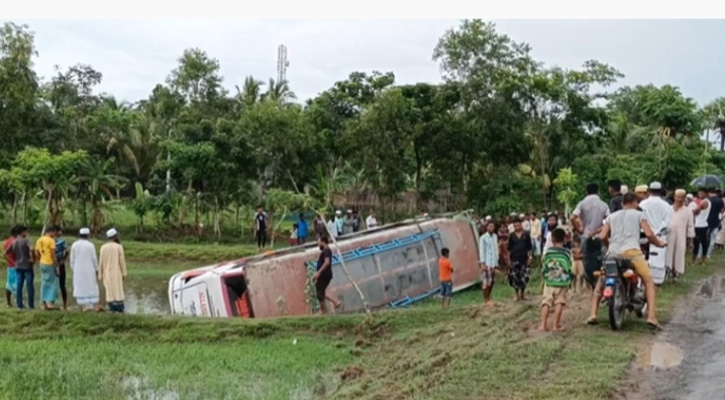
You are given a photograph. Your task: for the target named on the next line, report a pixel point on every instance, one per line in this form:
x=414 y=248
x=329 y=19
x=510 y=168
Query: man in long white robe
x=84 y=263
x=682 y=230
x=112 y=271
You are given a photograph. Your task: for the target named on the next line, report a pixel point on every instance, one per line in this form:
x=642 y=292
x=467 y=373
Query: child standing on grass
x=556 y=270
x=445 y=271
x=578 y=264
x=293 y=235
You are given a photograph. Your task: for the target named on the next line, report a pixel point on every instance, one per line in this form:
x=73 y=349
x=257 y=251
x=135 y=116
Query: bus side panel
x=278 y=286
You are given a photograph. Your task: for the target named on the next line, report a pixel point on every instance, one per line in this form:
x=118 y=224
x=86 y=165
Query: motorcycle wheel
x=617 y=306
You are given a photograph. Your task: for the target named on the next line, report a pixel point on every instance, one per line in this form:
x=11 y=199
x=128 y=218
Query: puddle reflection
x=662 y=355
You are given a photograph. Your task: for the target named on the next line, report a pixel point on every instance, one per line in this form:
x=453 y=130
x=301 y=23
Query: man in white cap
x=658 y=213
x=339 y=223
x=682 y=231
x=112 y=271
x=84 y=263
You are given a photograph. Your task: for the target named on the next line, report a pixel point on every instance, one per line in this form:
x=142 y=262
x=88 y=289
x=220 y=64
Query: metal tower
x=282 y=63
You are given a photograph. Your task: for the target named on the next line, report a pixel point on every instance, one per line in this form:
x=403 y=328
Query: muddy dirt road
x=687 y=360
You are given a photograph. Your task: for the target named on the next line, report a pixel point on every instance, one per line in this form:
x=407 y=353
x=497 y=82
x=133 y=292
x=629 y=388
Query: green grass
x=465 y=352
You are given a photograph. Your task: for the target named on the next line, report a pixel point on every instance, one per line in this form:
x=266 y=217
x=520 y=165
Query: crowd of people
x=50 y=255
x=570 y=251
x=337 y=225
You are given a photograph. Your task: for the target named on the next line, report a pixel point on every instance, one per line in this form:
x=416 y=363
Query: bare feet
x=559 y=328
x=338 y=304
x=489 y=304
x=543 y=328
x=592 y=320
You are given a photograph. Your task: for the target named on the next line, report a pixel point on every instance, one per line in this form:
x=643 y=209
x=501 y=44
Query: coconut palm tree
x=250 y=93
x=95 y=185
x=114 y=124
x=279 y=92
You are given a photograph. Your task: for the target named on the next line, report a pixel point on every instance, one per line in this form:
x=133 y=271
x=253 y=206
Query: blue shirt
x=302 y=228
x=488 y=250
x=60 y=249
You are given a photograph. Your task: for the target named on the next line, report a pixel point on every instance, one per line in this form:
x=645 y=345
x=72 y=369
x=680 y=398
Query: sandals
x=655 y=327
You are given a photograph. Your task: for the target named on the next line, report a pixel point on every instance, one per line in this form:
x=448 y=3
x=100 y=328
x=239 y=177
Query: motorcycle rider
x=624 y=227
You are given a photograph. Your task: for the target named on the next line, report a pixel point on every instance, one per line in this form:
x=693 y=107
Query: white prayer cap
x=84 y=231
x=624 y=189
x=349 y=211
x=338 y=212
x=522 y=215
x=655 y=186
x=680 y=192
x=690 y=196
x=488 y=218
x=111 y=233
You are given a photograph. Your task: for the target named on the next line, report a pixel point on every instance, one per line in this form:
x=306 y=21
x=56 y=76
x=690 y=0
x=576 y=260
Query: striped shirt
x=488 y=250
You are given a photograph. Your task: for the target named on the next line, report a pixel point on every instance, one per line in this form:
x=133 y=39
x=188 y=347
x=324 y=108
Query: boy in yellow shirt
x=45 y=252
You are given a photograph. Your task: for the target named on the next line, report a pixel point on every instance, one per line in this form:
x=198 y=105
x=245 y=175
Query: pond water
x=144 y=294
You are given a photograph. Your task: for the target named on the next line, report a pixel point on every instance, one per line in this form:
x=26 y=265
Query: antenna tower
x=282 y=63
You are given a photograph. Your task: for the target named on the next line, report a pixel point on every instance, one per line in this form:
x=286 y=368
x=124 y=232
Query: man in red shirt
x=11 y=286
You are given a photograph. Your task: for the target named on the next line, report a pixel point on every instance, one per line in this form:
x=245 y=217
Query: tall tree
x=19 y=90
x=491 y=71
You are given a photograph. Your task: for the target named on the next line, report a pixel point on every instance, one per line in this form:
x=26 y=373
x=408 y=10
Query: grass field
x=466 y=352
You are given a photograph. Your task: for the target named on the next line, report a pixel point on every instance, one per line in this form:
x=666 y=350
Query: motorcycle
x=623 y=289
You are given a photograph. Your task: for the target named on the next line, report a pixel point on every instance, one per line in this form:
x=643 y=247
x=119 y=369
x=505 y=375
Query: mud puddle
x=687 y=360
x=662 y=355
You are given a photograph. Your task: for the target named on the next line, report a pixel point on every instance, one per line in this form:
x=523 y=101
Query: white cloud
x=134 y=55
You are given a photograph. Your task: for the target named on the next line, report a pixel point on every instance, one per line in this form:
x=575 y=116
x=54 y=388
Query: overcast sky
x=134 y=55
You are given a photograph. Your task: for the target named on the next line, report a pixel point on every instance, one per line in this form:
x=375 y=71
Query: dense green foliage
x=493 y=135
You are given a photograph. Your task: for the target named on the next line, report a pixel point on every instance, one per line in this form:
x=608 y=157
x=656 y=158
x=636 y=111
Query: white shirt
x=371 y=222
x=526 y=225
x=701 y=218
x=657 y=212
x=332 y=228
x=548 y=242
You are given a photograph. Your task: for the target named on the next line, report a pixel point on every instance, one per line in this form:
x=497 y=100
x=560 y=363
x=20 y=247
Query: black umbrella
x=708 y=181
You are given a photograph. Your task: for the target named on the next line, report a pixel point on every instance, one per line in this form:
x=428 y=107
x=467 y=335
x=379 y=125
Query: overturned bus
x=388 y=264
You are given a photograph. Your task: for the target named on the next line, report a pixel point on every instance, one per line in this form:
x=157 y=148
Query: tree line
x=494 y=136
